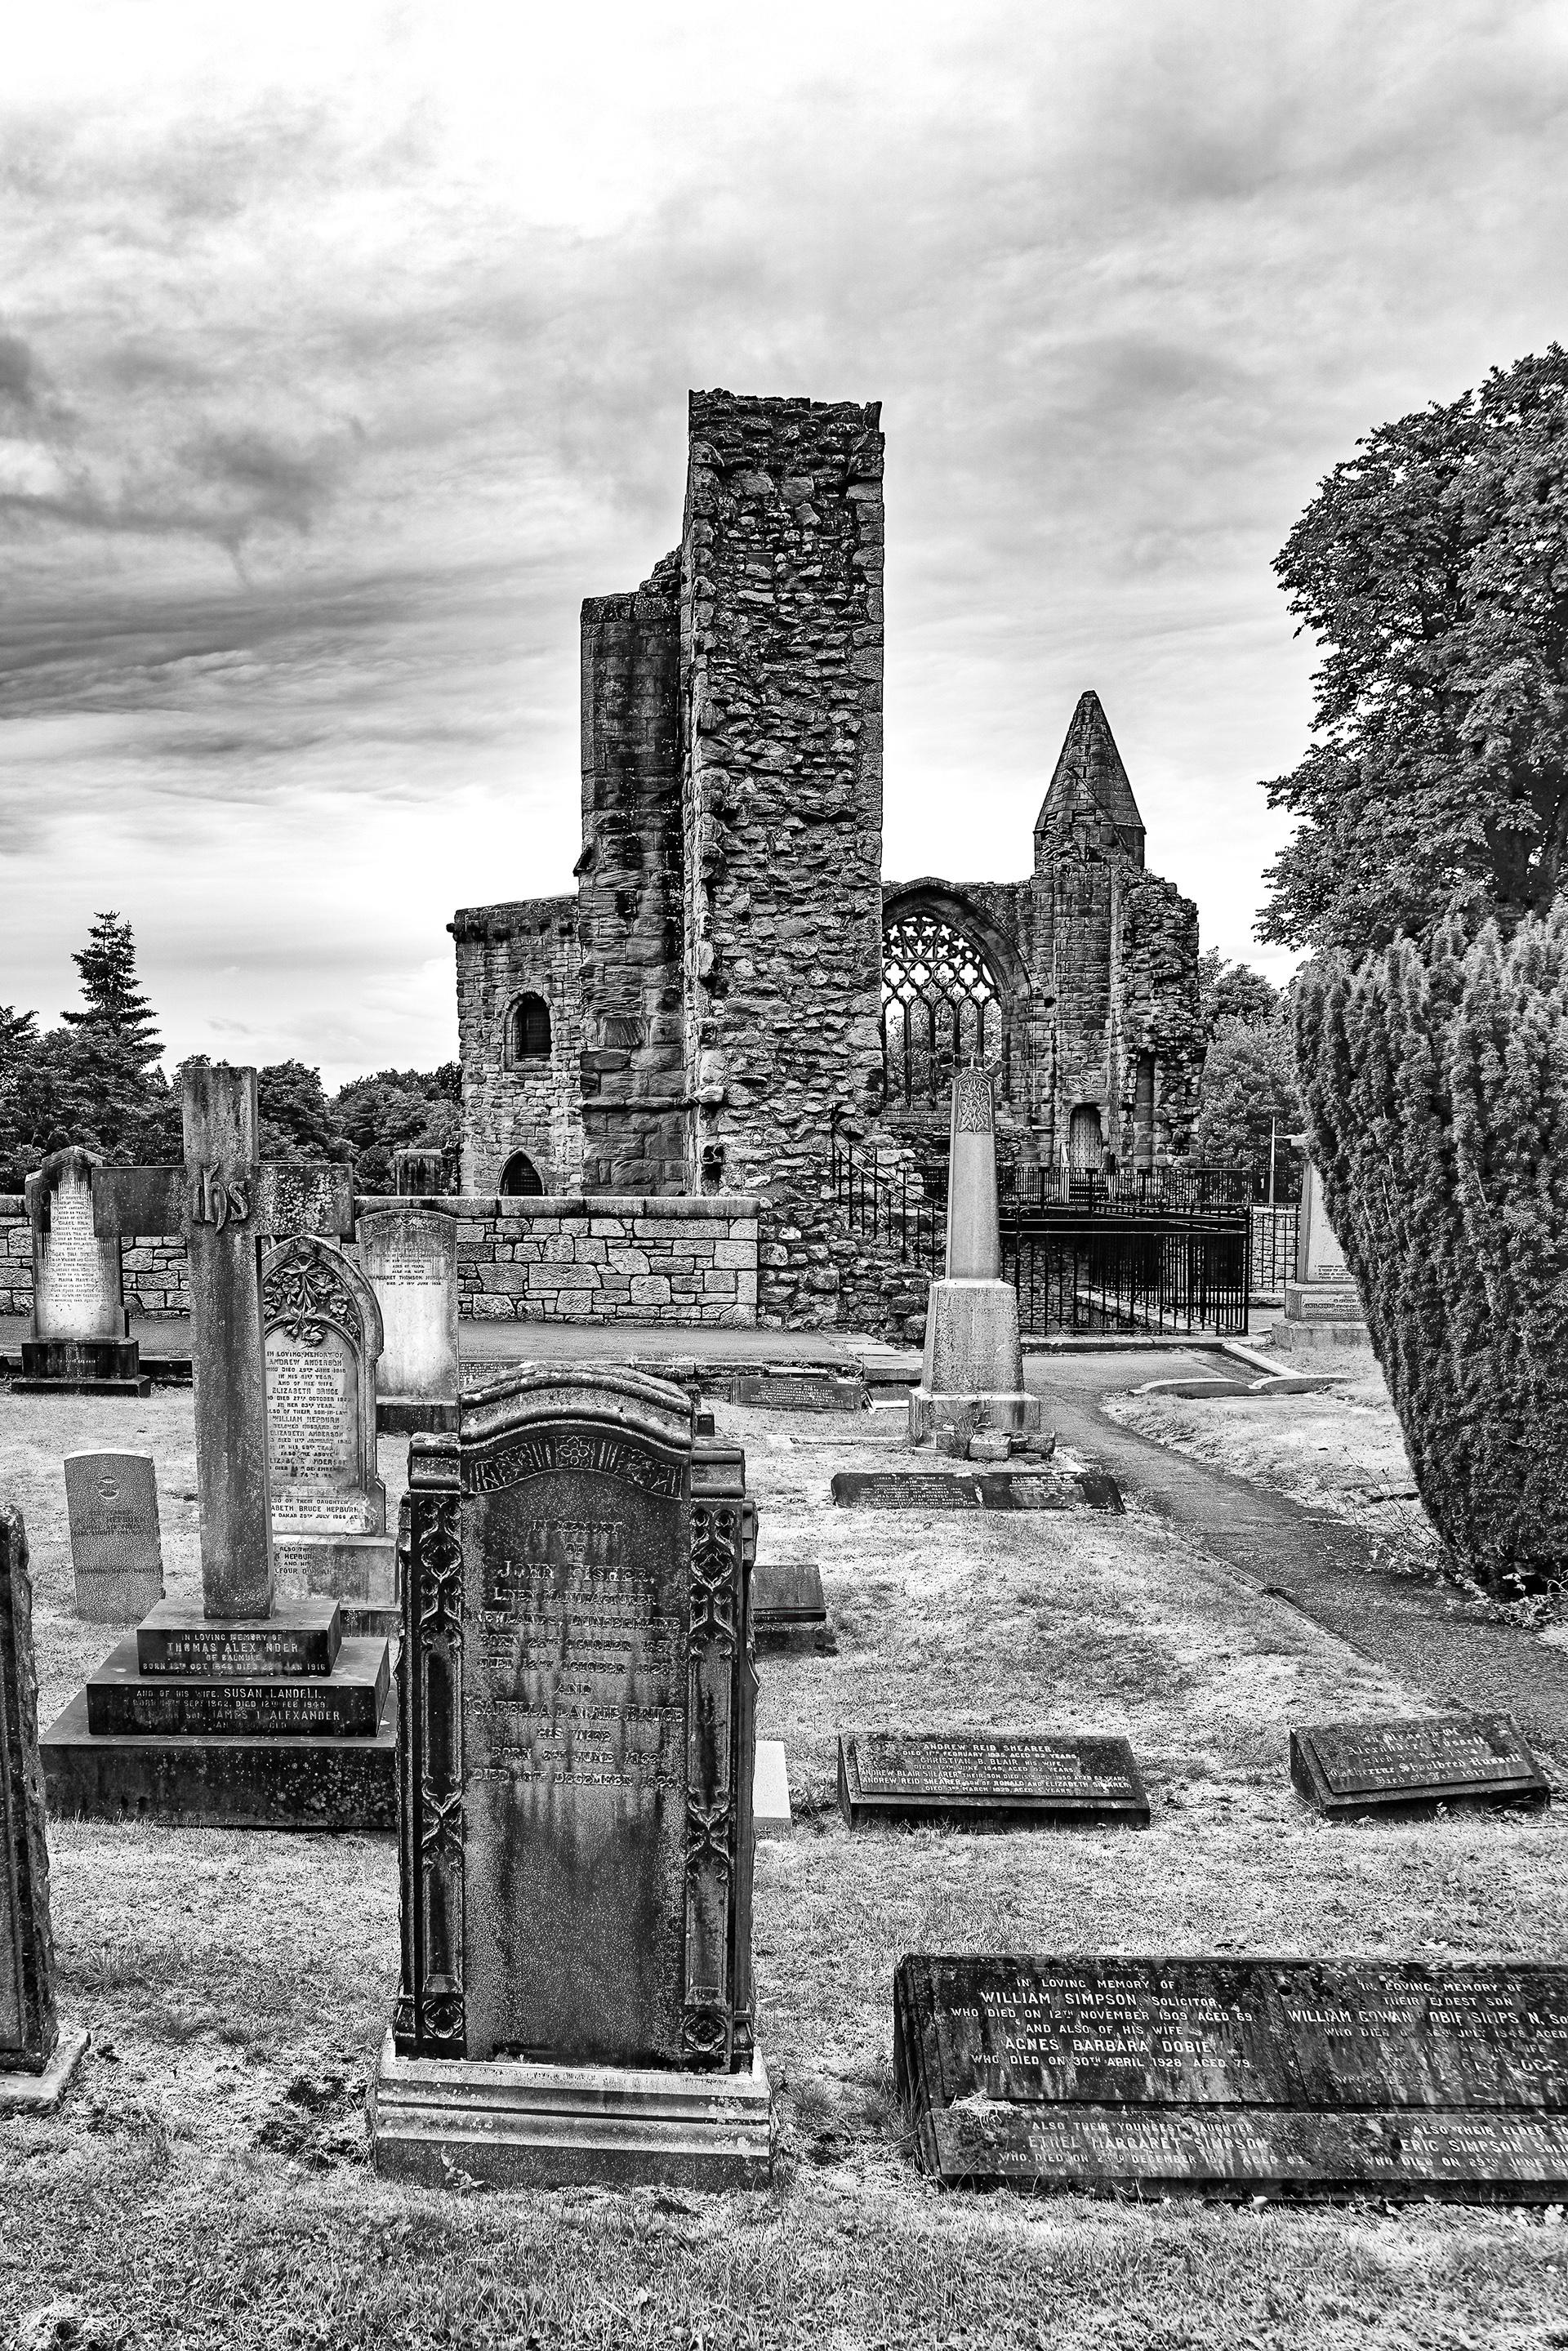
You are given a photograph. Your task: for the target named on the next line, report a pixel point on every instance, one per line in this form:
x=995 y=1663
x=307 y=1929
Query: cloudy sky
x=344 y=349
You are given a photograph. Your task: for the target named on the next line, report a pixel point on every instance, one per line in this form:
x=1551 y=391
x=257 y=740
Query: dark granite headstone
x=34 y=2065
x=1236 y=2078
x=974 y=1778
x=576 y=1702
x=1359 y=1770
x=787 y=1610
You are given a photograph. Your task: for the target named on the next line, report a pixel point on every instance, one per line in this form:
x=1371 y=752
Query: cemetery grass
x=205 y=2182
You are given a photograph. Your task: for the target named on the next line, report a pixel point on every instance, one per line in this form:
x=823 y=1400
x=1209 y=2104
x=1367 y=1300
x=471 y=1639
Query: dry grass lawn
x=206 y=2181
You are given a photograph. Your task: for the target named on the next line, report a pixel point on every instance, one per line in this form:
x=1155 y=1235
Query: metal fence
x=1153 y=1191
x=1133 y=1274
x=877 y=1199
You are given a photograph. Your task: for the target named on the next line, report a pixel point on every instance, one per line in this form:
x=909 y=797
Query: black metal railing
x=887 y=1202
x=1172 y=1190
x=1174 y=1270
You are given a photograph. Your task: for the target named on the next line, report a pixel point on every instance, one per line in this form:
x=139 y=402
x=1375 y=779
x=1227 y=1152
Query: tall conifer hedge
x=1435 y=1084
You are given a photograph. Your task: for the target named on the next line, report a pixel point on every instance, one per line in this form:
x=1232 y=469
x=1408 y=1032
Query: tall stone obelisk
x=973 y=1368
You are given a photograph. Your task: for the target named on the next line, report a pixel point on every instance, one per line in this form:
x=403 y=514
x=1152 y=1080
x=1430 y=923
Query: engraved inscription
x=79 y=1291
x=956 y=1765
x=1359 y=1758
x=312 y=1439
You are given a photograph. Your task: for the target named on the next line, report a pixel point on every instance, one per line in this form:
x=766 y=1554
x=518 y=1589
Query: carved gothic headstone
x=577 y=1750
x=111 y=1500
x=329 y=1503
x=33 y=2063
x=410 y=1258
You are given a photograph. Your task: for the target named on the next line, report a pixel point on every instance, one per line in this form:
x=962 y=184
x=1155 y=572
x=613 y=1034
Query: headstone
x=788 y=1609
x=576 y=1735
x=329 y=1503
x=1364 y=1770
x=35 y=2064
x=1324 y=1314
x=986 y=1780
x=79 y=1344
x=235 y=1712
x=409 y=1255
x=973 y=1365
x=770 y=1812
x=112 y=1502
x=1236 y=2078
x=419 y=1175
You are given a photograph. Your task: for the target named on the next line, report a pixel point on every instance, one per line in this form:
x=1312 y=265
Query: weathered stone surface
x=117 y=1557
x=1238 y=2078
x=409 y=1257
x=329 y=1502
x=176 y=1638
x=231 y=1782
x=77 y=1291
x=972 y=1369
x=982 y=1489
x=29 y=2027
x=1360 y=1770
x=973 y=1778
x=124 y=1700
x=787 y=1608
x=576 y=1852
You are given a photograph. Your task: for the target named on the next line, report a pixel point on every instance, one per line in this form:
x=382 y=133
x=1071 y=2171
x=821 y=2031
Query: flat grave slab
x=984 y=1489
x=1361 y=1771
x=787 y=1608
x=974 y=1778
x=1236 y=2078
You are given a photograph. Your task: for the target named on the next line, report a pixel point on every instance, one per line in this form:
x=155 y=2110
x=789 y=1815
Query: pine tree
x=114 y=1003
x=1435 y=1084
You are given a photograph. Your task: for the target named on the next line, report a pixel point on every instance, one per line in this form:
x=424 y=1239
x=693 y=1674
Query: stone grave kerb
x=222 y=1199
x=625 y=1426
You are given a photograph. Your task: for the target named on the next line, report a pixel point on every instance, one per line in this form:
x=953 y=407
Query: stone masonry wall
x=633 y=1080
x=608 y=1259
x=529 y=946
x=781 y=628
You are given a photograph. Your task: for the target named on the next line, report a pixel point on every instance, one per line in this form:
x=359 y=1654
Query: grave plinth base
x=23 y=2092
x=81 y=1367
x=515 y=2125
x=415 y=1416
x=237 y=1782
x=178 y=1639
x=360 y=1571
x=1018 y=1414
x=347 y=1703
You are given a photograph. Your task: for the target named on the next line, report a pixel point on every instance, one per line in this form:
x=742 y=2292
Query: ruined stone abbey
x=733 y=980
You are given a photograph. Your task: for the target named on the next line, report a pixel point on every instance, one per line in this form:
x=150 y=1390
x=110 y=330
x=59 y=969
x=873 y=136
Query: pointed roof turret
x=1089 y=782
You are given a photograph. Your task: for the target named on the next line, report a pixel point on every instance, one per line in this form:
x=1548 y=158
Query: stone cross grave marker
x=973 y=1365
x=222 y=1200
x=576 y=1741
x=329 y=1503
x=35 y=2063
x=111 y=1501
x=410 y=1258
x=79 y=1337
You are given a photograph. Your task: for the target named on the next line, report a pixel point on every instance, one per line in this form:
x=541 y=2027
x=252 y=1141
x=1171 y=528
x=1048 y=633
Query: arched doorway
x=520 y=1178
x=1085 y=1140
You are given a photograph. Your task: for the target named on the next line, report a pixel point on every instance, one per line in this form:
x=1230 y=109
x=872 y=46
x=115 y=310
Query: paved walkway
x=1433 y=1639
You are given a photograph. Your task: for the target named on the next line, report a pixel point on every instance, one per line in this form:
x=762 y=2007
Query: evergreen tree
x=1436 y=1093
x=113 y=1003
x=297 y=1126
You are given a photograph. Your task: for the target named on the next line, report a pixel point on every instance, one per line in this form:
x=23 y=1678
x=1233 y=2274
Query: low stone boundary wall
x=608 y=1258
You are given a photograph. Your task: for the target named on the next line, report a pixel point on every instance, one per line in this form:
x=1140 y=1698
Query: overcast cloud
x=343 y=354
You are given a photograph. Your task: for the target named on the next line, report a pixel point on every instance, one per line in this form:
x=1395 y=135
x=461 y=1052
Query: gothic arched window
x=520 y=1178
x=941 y=1008
x=527 y=1030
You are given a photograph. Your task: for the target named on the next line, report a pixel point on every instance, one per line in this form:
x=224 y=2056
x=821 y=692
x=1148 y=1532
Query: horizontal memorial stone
x=111 y=1503
x=177 y=1638
x=1356 y=1771
x=1236 y=2078
x=123 y=1700
x=794 y=1388
x=788 y=1609
x=992 y=1489
x=989 y=1779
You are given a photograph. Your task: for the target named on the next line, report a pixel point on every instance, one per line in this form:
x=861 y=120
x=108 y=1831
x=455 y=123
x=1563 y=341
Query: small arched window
x=520 y=1178
x=527 y=1030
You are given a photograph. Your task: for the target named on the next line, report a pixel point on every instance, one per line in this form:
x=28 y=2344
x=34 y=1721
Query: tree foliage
x=1433 y=570
x=1233 y=991
x=1436 y=1093
x=112 y=1002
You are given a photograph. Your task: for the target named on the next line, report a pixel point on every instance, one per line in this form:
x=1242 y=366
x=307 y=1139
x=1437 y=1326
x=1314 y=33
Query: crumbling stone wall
x=526 y=947
x=607 y=1259
x=629 y=890
x=781 y=644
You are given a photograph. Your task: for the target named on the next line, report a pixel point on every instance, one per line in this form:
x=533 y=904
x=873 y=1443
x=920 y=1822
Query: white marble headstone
x=410 y=1258
x=77 y=1289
